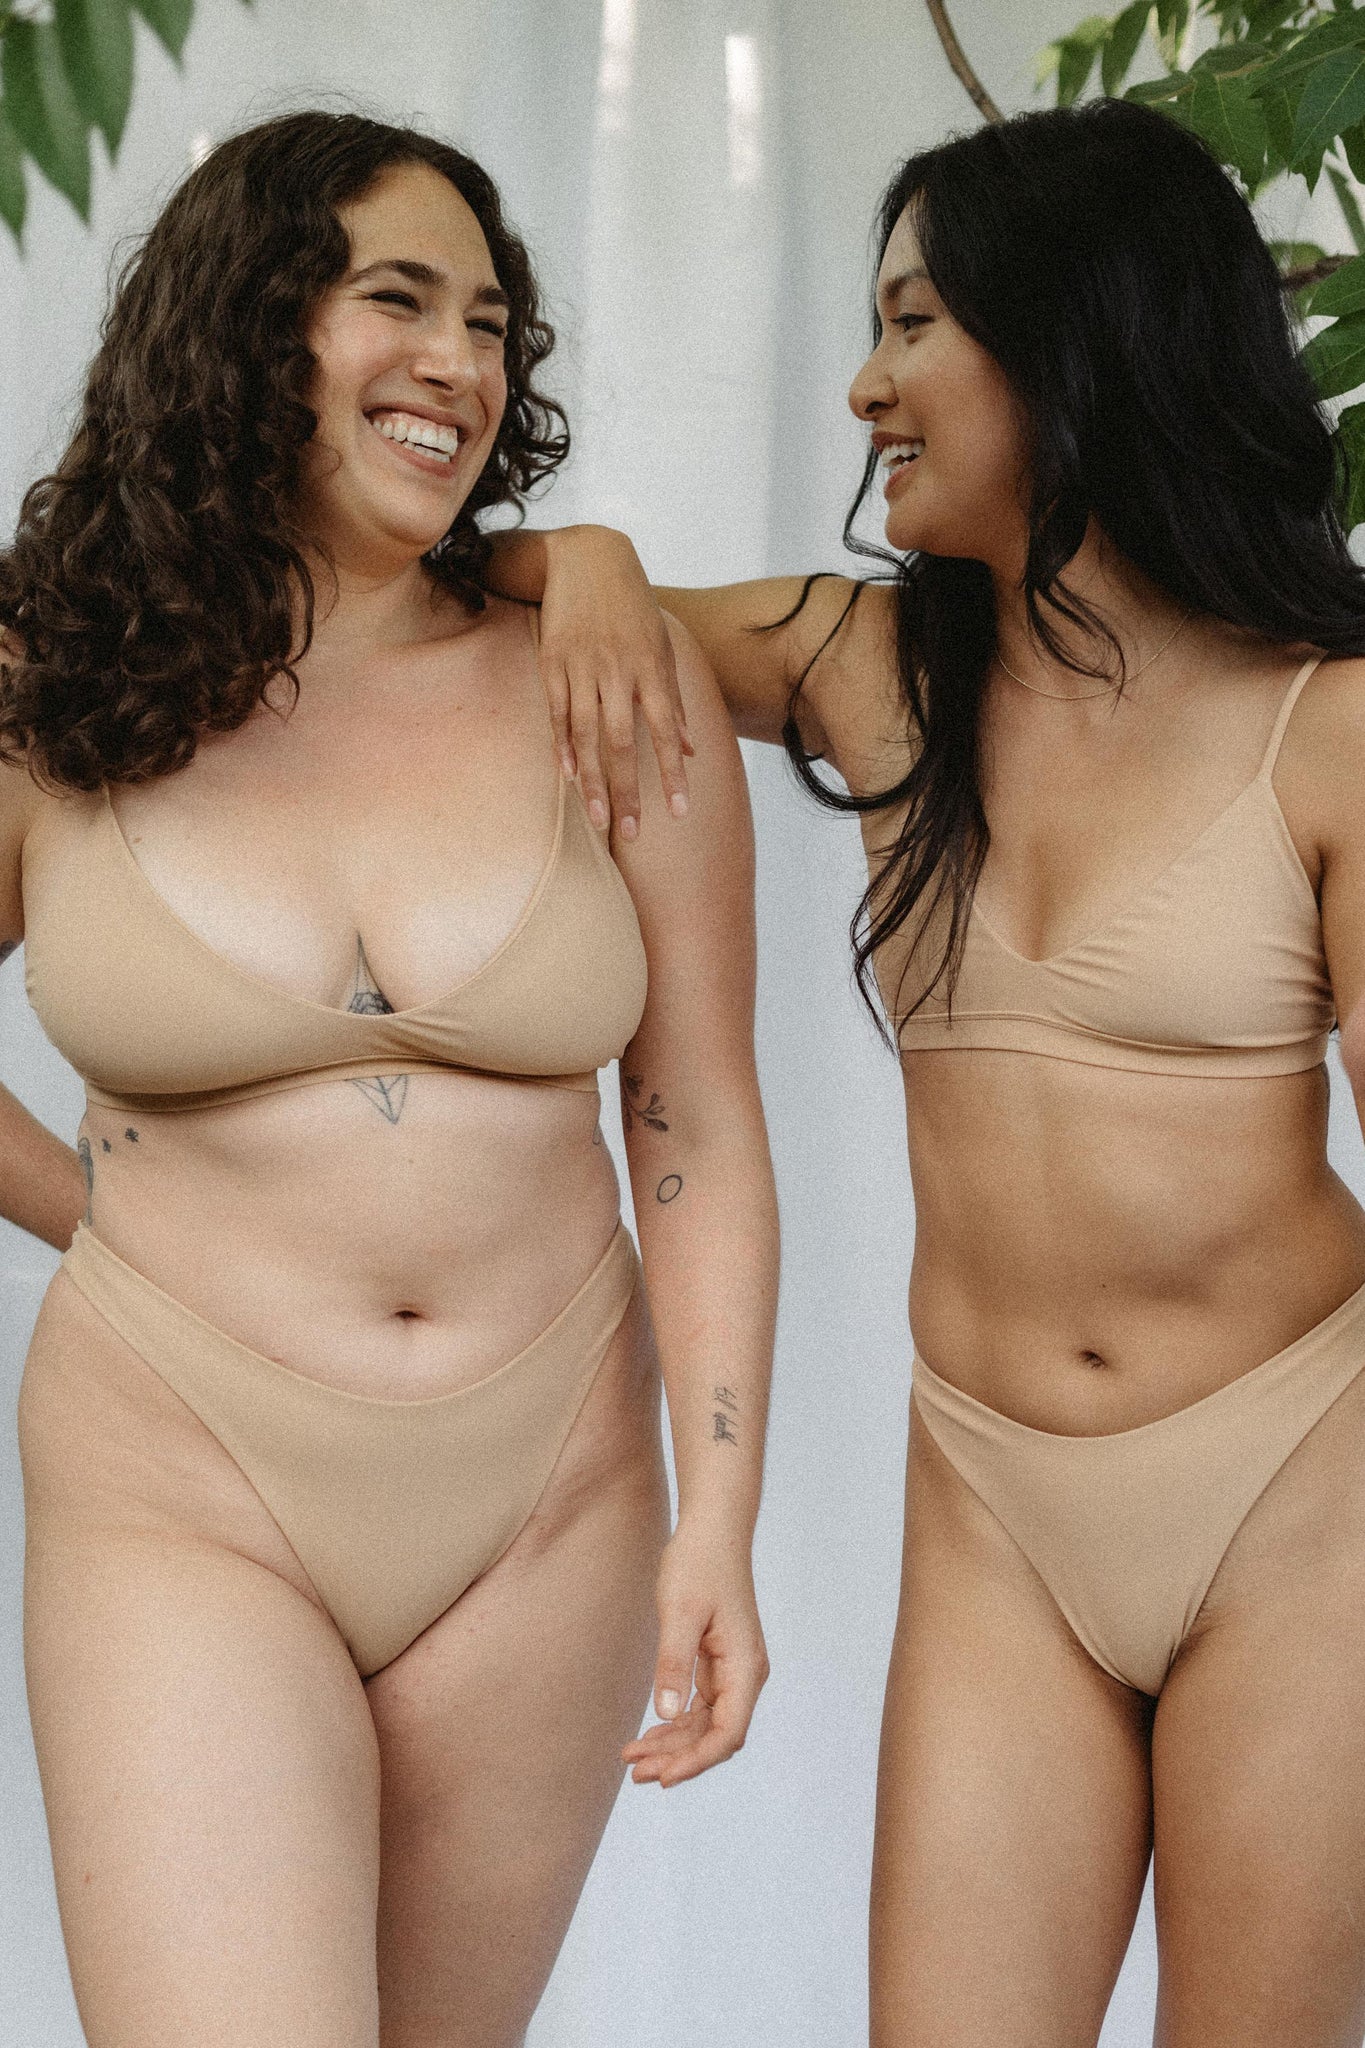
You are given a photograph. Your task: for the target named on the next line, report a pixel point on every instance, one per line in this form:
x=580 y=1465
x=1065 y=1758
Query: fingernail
x=670 y=1705
x=677 y=803
x=597 y=811
x=629 y=828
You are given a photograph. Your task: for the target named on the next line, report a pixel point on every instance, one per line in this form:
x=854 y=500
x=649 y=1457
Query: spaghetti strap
x=1287 y=703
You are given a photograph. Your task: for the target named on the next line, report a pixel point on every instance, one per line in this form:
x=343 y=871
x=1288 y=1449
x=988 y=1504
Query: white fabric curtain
x=697 y=178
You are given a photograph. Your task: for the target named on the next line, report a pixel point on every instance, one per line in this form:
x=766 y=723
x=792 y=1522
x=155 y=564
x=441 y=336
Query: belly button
x=408 y=1315
x=1093 y=1359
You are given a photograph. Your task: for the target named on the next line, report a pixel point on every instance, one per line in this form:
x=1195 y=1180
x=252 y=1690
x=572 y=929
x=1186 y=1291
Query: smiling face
x=949 y=430
x=409 y=385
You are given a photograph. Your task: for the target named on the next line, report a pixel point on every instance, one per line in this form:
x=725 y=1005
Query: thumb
x=679 y=1640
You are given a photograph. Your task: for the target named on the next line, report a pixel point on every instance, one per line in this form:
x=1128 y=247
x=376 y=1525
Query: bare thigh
x=1259 y=1771
x=208 y=1763
x=1013 y=1808
x=500 y=1729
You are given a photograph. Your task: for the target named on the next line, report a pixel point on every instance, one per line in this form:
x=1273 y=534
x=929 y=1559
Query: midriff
x=397 y=1259
x=1095 y=1248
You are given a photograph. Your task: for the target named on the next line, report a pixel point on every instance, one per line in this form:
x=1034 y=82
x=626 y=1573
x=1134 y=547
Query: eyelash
x=406 y=299
x=905 y=321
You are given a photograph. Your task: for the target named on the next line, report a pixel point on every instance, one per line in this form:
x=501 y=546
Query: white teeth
x=897 y=452
x=418 y=433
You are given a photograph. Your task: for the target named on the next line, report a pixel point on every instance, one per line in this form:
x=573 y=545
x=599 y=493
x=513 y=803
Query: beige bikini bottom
x=393 y=1507
x=1127 y=1530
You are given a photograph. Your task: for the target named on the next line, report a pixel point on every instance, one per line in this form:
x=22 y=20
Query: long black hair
x=1106 y=261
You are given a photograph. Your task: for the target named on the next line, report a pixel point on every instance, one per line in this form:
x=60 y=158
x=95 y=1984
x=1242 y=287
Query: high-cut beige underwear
x=393 y=1508
x=1127 y=1530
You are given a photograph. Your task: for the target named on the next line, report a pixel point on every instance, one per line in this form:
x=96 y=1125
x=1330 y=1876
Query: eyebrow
x=423 y=273
x=895 y=285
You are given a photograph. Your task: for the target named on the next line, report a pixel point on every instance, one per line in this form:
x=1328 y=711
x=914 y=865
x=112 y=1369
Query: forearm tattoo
x=725 y=1416
x=637 y=1109
x=87 y=1159
x=388 y=1092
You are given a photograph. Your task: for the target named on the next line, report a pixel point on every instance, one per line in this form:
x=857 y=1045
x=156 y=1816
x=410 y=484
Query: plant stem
x=952 y=48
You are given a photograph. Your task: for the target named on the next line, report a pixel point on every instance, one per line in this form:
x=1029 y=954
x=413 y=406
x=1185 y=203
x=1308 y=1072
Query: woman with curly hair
x=1104 y=727
x=340 y=1426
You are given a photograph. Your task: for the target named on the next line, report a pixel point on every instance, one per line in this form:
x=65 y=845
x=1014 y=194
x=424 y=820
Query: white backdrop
x=697 y=178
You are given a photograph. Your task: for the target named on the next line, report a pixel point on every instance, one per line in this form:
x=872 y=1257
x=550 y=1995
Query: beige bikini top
x=1214 y=968
x=154 y=1018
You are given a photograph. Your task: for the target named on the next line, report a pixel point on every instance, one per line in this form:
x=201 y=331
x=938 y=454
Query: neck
x=1137 y=611
x=368 y=604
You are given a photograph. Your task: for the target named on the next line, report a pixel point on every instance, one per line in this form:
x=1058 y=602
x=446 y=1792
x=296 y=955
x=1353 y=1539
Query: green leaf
x=1353 y=142
x=1335 y=359
x=1279 y=109
x=1158 y=92
x=1076 y=55
x=1302 y=59
x=1351 y=439
x=169 y=19
x=1333 y=100
x=1233 y=57
x=1341 y=293
x=43 y=112
x=13 y=197
x=1121 y=48
x=96 y=38
x=1223 y=112
x=1172 y=19
x=1350 y=207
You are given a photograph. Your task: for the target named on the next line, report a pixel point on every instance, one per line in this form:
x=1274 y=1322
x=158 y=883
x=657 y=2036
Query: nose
x=447 y=360
x=871 y=391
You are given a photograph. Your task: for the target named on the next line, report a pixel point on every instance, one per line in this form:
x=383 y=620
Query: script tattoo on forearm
x=87 y=1159
x=635 y=1107
x=388 y=1092
x=725 y=1416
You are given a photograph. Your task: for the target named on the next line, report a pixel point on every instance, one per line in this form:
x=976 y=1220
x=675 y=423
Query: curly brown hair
x=157 y=582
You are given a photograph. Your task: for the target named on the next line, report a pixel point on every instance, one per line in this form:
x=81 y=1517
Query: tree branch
x=985 y=105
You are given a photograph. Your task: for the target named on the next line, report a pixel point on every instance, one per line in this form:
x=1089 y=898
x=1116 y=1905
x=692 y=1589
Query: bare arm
x=42 y=1185
x=604 y=650
x=1320 y=778
x=707 y=1219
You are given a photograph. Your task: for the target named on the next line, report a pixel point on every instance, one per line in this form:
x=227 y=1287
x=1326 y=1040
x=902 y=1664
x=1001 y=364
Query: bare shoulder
x=1326 y=733
x=1320 y=774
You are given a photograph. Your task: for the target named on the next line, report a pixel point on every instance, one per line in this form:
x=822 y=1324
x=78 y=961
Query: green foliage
x=1281 y=92
x=66 y=70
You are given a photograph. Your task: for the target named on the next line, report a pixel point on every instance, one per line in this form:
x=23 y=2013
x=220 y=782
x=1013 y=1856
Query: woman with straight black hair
x=1104 y=727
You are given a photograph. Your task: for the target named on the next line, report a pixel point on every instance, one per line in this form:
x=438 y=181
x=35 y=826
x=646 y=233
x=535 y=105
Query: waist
x=381 y=1230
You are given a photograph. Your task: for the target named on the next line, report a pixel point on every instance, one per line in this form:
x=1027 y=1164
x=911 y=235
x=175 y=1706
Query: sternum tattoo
x=388 y=1092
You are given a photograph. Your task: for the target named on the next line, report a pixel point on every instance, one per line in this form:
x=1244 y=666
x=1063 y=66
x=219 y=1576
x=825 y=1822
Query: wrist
x=716 y=1523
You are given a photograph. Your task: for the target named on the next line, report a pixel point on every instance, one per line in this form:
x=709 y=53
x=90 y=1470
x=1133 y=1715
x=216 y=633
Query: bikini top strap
x=1287 y=703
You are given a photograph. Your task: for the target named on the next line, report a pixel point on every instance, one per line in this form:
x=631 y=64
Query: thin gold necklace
x=1083 y=696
